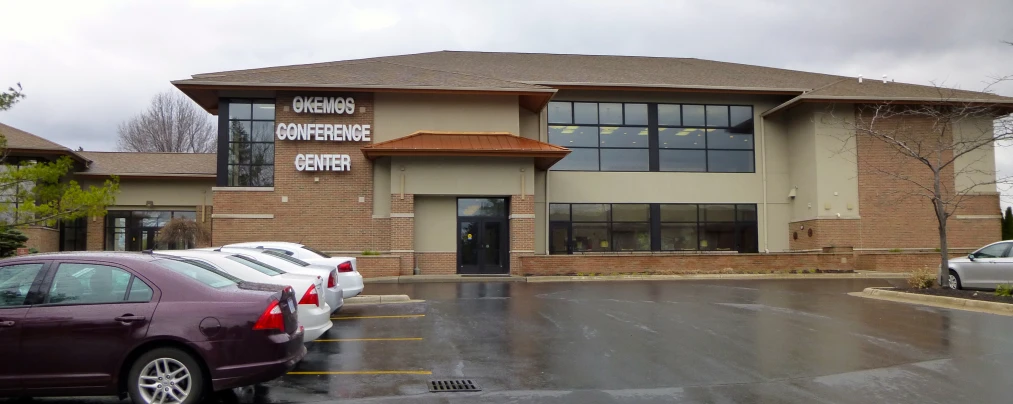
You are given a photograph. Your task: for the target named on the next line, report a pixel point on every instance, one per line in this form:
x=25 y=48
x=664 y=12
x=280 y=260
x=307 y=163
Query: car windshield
x=256 y=265
x=286 y=257
x=315 y=251
x=212 y=278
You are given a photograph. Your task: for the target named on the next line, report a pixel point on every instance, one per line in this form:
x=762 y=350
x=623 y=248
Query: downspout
x=763 y=175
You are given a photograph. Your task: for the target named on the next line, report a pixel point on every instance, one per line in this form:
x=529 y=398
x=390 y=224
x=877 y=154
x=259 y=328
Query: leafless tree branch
x=171 y=124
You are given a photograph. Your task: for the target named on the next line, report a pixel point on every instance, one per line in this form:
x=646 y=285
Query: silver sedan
x=991 y=265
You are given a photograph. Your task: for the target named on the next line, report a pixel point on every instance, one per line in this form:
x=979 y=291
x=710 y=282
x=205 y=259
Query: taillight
x=311 y=297
x=332 y=280
x=272 y=319
x=345 y=267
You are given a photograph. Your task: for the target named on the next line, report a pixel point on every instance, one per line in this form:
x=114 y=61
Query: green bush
x=1004 y=290
x=370 y=252
x=894 y=250
x=33 y=250
x=10 y=241
x=922 y=279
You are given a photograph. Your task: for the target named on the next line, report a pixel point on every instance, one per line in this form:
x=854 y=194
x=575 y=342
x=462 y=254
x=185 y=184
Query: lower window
x=582 y=227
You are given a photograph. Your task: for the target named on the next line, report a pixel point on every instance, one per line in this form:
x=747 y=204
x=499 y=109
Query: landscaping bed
x=983 y=295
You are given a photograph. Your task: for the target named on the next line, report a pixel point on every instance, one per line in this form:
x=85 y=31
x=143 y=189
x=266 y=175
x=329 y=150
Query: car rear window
x=212 y=278
x=287 y=258
x=256 y=265
x=317 y=252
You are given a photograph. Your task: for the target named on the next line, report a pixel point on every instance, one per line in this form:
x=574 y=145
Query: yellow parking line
x=368 y=317
x=367 y=339
x=365 y=372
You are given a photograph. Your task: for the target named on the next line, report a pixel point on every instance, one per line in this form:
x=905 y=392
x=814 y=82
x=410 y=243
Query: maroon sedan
x=155 y=328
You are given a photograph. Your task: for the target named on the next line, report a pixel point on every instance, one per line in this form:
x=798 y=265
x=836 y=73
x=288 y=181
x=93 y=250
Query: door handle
x=6 y=323
x=129 y=318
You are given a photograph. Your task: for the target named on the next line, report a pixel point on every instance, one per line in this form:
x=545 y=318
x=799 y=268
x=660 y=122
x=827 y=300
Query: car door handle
x=129 y=318
x=6 y=323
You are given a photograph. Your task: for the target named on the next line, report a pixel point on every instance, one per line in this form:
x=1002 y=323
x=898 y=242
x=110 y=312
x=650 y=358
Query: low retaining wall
x=681 y=263
x=373 y=266
x=901 y=261
x=44 y=239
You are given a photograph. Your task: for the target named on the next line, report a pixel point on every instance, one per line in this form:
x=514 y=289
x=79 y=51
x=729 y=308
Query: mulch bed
x=985 y=295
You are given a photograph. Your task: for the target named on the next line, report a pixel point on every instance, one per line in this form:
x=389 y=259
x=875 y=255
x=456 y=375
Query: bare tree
x=172 y=124
x=938 y=152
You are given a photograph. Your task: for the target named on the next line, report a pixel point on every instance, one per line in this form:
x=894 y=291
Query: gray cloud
x=87 y=66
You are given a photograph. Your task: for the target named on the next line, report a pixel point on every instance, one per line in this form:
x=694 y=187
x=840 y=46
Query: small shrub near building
x=1004 y=290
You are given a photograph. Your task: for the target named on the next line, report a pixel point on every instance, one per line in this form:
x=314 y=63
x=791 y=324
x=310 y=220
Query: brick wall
x=893 y=215
x=902 y=262
x=372 y=266
x=96 y=233
x=680 y=263
x=437 y=263
x=522 y=230
x=402 y=230
x=43 y=239
x=323 y=208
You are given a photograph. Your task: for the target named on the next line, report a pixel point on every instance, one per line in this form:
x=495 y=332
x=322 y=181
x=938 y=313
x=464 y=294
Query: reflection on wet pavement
x=794 y=341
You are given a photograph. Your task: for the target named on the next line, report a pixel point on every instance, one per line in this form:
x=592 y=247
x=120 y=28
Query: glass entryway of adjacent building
x=483 y=239
x=136 y=230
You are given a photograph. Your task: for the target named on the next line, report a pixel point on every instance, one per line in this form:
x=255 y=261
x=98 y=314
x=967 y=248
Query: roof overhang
x=19 y=151
x=206 y=92
x=1003 y=104
x=668 y=87
x=468 y=144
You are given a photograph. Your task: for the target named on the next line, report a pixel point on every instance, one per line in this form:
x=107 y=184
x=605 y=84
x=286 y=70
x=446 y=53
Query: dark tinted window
x=286 y=257
x=584 y=112
x=623 y=136
x=717 y=115
x=693 y=115
x=315 y=251
x=578 y=160
x=251 y=143
x=723 y=139
x=88 y=284
x=992 y=251
x=574 y=136
x=624 y=160
x=15 y=282
x=636 y=114
x=725 y=161
x=682 y=160
x=560 y=112
x=139 y=291
x=669 y=115
x=682 y=138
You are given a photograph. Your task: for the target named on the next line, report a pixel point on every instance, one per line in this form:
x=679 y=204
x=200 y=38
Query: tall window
x=74 y=234
x=583 y=227
x=653 y=137
x=251 y=143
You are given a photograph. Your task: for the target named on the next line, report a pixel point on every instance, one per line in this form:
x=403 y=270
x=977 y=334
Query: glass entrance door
x=482 y=242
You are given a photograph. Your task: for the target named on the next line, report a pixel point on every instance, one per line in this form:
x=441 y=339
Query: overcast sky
x=88 y=65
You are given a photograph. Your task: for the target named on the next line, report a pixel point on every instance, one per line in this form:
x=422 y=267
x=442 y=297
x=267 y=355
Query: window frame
x=654 y=128
x=224 y=140
x=655 y=224
x=132 y=225
x=31 y=298
x=78 y=230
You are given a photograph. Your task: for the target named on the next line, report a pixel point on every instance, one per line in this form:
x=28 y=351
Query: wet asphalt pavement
x=721 y=341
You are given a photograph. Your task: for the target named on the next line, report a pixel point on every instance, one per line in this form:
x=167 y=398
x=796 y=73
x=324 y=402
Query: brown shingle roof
x=25 y=143
x=562 y=71
x=484 y=144
x=132 y=164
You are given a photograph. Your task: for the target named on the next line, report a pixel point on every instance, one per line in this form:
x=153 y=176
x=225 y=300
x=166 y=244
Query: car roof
x=87 y=255
x=268 y=243
x=184 y=253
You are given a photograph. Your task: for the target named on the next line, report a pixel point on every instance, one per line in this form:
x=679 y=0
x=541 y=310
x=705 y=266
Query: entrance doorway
x=483 y=236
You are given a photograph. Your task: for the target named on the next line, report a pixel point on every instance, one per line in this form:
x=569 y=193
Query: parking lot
x=795 y=341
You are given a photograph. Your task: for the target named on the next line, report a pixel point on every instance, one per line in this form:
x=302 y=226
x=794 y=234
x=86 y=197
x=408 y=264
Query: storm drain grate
x=445 y=386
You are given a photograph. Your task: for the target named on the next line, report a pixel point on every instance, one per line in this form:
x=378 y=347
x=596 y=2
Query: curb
x=1005 y=309
x=542 y=279
x=377 y=299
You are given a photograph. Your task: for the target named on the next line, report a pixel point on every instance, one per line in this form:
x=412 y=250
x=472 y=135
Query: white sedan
x=294 y=265
x=348 y=273
x=314 y=312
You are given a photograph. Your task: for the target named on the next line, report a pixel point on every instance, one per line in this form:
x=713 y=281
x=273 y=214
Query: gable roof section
x=24 y=143
x=554 y=71
x=154 y=165
x=457 y=144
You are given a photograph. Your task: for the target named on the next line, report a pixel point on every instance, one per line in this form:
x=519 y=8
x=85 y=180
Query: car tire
x=953 y=281
x=187 y=377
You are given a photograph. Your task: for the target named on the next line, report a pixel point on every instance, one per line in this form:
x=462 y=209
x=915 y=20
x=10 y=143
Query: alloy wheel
x=164 y=381
x=953 y=281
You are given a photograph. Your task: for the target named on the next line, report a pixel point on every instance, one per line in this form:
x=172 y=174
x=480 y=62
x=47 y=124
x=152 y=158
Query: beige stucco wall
x=381 y=187
x=801 y=158
x=837 y=161
x=462 y=176
x=435 y=223
x=399 y=115
x=664 y=187
x=976 y=166
x=541 y=218
x=136 y=193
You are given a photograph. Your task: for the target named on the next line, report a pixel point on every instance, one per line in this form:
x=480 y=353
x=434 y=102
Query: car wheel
x=165 y=375
x=953 y=282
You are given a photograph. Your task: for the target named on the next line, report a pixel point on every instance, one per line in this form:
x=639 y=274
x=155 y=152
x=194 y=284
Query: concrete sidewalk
x=484 y=278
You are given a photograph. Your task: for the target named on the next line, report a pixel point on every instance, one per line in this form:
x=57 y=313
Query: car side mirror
x=970 y=256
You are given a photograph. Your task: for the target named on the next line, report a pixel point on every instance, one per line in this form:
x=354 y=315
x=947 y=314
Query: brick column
x=402 y=231
x=522 y=230
x=96 y=233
